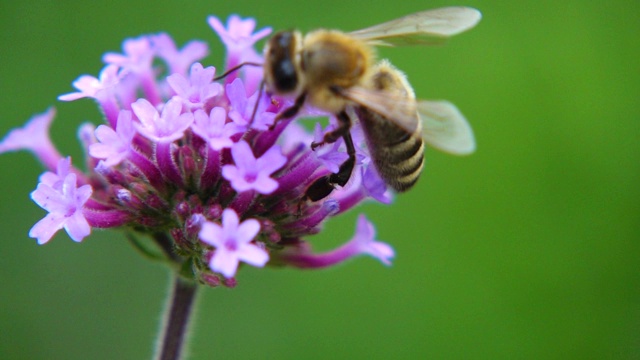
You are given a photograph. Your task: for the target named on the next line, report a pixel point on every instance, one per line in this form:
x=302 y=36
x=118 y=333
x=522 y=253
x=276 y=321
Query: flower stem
x=171 y=342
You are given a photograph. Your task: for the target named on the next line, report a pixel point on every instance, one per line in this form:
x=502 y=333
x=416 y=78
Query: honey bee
x=336 y=72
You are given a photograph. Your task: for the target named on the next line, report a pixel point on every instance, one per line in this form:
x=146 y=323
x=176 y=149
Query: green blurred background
x=528 y=249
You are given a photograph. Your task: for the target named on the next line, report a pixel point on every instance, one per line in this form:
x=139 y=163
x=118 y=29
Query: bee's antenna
x=255 y=108
x=235 y=68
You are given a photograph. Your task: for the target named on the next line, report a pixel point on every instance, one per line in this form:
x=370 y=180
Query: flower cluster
x=197 y=164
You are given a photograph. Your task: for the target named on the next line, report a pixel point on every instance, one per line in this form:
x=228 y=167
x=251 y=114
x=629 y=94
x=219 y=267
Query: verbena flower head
x=181 y=159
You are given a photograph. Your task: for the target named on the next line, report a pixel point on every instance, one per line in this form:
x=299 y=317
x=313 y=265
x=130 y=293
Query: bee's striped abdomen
x=397 y=151
x=397 y=154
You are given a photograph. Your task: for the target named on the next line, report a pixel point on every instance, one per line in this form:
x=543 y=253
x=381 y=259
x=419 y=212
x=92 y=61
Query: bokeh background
x=528 y=249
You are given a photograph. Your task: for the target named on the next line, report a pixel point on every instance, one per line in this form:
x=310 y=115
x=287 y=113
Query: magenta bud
x=211 y=280
x=193 y=225
x=178 y=237
x=230 y=283
x=183 y=209
x=153 y=201
x=213 y=212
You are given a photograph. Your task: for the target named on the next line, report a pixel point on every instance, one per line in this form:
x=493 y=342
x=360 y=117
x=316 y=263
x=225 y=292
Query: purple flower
x=114 y=146
x=243 y=107
x=64 y=205
x=55 y=179
x=86 y=135
x=362 y=243
x=137 y=63
x=375 y=186
x=168 y=127
x=184 y=159
x=250 y=173
x=198 y=89
x=238 y=99
x=137 y=57
x=34 y=137
x=233 y=243
x=179 y=61
x=329 y=154
x=238 y=36
x=214 y=129
x=295 y=136
x=239 y=39
x=92 y=87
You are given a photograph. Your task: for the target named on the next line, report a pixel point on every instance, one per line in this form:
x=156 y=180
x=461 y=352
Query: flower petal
x=44 y=229
x=253 y=255
x=247 y=230
x=211 y=233
x=224 y=262
x=77 y=226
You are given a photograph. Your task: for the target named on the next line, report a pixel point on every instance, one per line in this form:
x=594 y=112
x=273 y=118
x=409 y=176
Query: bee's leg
x=319 y=190
x=322 y=187
x=291 y=111
x=344 y=124
x=346 y=168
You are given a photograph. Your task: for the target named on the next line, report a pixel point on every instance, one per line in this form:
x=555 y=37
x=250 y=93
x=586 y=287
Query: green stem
x=172 y=340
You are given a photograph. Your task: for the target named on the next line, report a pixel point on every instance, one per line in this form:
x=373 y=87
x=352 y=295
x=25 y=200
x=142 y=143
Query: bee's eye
x=285 y=76
x=281 y=57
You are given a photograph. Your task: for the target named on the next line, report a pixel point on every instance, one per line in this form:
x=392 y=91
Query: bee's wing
x=445 y=128
x=401 y=110
x=429 y=27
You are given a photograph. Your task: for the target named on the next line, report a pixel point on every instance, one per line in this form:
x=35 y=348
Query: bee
x=337 y=72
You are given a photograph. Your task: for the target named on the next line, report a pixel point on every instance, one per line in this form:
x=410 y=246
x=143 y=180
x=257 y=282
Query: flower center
x=70 y=211
x=231 y=245
x=250 y=177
